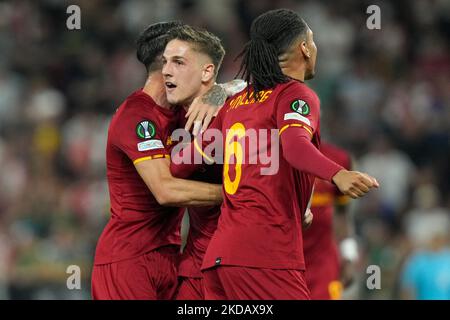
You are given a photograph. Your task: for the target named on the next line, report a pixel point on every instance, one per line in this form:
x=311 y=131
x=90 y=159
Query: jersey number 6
x=233 y=148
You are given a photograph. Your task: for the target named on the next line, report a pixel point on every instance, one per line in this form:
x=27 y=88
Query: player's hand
x=307 y=219
x=204 y=108
x=353 y=183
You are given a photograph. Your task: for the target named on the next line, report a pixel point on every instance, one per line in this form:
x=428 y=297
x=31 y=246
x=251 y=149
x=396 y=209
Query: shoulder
x=295 y=86
x=137 y=109
x=137 y=100
x=138 y=104
x=297 y=90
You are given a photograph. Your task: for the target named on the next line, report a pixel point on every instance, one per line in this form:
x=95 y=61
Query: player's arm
x=171 y=191
x=304 y=156
x=141 y=139
x=297 y=119
x=205 y=107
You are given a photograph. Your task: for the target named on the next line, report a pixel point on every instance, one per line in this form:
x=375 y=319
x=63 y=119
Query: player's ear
x=305 y=49
x=208 y=72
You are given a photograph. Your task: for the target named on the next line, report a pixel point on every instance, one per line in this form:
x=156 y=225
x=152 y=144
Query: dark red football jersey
x=202 y=220
x=320 y=248
x=202 y=224
x=140 y=130
x=260 y=224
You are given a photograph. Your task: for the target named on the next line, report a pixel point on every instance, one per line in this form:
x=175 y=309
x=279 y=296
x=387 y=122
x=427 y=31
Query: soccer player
x=256 y=251
x=137 y=253
x=194 y=56
x=328 y=264
x=190 y=45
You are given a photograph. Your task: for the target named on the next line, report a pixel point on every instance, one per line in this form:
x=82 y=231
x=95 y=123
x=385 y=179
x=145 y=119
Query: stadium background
x=385 y=97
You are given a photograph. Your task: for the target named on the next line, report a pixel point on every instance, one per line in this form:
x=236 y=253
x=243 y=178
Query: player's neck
x=297 y=74
x=154 y=87
x=294 y=68
x=204 y=89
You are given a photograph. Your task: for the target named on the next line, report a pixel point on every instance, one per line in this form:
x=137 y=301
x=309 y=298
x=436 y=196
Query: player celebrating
x=191 y=46
x=327 y=271
x=256 y=251
x=194 y=56
x=136 y=256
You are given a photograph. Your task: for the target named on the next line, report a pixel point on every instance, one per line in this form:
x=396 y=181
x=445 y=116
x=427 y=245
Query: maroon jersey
x=261 y=216
x=140 y=130
x=320 y=247
x=202 y=224
x=202 y=220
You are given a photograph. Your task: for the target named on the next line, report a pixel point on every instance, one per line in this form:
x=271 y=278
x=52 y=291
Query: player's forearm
x=304 y=156
x=184 y=193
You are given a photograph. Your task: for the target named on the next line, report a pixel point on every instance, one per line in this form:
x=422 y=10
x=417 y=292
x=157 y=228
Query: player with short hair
x=194 y=56
x=137 y=253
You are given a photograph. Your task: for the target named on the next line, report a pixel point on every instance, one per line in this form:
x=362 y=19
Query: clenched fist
x=353 y=183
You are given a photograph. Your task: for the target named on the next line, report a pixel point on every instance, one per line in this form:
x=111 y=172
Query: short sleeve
x=297 y=106
x=139 y=137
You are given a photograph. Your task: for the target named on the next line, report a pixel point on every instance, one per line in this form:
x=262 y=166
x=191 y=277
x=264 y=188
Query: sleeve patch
x=300 y=106
x=150 y=145
x=146 y=129
x=296 y=116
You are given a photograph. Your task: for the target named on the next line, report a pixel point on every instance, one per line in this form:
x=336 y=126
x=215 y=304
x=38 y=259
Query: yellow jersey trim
x=296 y=125
x=156 y=156
x=199 y=149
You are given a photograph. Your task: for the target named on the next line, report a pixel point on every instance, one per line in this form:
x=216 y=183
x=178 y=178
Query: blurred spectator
x=394 y=171
x=426 y=274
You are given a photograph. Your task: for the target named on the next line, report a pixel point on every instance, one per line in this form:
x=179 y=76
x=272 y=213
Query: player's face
x=311 y=61
x=182 y=71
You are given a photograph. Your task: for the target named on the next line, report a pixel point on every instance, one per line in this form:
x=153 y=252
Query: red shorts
x=190 y=289
x=152 y=276
x=241 y=283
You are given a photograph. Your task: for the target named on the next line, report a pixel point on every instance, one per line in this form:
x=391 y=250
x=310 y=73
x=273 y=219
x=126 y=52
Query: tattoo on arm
x=215 y=96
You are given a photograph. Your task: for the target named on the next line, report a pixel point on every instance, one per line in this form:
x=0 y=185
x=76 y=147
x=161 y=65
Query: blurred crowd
x=385 y=97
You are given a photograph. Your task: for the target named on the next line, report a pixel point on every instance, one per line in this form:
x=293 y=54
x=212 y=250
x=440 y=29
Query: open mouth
x=170 y=85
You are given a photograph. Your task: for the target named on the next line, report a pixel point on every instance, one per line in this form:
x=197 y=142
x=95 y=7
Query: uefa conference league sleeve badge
x=301 y=110
x=146 y=130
